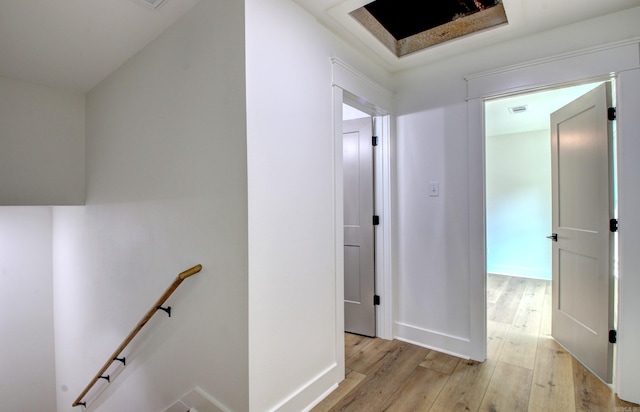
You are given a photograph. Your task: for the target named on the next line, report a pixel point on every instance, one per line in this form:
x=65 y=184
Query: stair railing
x=115 y=355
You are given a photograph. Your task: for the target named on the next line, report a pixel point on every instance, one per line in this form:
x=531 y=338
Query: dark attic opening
x=406 y=26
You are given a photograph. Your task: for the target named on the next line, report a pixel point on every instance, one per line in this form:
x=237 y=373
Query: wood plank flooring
x=526 y=370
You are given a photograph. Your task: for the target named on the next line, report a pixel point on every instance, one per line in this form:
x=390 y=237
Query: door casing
x=621 y=58
x=606 y=249
x=352 y=87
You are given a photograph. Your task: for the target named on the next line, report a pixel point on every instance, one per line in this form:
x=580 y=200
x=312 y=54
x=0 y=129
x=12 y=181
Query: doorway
x=518 y=202
x=359 y=224
x=357 y=90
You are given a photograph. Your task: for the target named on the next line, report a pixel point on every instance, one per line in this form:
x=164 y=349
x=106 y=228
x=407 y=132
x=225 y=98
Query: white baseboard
x=303 y=399
x=451 y=345
x=198 y=400
x=321 y=397
x=312 y=392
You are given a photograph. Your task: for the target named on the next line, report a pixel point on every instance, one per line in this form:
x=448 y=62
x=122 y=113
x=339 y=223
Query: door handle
x=554 y=237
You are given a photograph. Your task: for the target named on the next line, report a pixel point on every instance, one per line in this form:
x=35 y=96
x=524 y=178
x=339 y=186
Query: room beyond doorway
x=359 y=231
x=520 y=149
x=518 y=180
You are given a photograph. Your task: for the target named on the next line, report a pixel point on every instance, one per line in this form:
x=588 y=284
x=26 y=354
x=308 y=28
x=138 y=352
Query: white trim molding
x=456 y=346
x=567 y=68
x=381 y=100
x=317 y=387
x=351 y=85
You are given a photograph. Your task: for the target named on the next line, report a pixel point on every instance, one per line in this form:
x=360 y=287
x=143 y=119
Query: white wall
x=166 y=189
x=518 y=199
x=292 y=262
x=41 y=145
x=433 y=240
x=27 y=371
x=435 y=280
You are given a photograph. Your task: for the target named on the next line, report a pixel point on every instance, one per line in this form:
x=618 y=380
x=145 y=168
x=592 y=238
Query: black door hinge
x=613 y=225
x=376 y=220
x=374 y=140
x=376 y=299
x=613 y=336
x=611 y=113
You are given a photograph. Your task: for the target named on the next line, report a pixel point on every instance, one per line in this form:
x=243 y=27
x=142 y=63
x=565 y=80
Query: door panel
x=352 y=276
x=359 y=271
x=578 y=284
x=581 y=316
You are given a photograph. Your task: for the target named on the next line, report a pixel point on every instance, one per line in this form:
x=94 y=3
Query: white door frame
x=623 y=59
x=371 y=98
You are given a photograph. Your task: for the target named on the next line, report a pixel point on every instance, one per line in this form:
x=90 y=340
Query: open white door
x=359 y=272
x=581 y=273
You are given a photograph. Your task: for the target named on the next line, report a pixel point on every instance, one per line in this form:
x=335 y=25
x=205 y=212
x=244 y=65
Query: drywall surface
x=290 y=172
x=27 y=366
x=41 y=145
x=166 y=190
x=434 y=279
x=292 y=220
x=434 y=234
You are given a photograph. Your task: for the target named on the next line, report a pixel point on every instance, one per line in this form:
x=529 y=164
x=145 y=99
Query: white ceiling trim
x=582 y=65
x=370 y=92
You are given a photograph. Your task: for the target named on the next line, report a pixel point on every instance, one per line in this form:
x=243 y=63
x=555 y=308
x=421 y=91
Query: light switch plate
x=434 y=189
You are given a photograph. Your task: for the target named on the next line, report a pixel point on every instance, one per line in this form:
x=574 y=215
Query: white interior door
x=359 y=268
x=581 y=273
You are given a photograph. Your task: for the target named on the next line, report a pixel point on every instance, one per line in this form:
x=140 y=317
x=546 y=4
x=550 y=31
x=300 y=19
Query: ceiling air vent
x=518 y=109
x=152 y=4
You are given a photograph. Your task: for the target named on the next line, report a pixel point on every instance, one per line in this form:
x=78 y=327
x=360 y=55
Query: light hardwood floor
x=526 y=370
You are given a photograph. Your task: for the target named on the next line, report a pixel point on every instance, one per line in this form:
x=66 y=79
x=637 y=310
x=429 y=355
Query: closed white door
x=581 y=273
x=359 y=269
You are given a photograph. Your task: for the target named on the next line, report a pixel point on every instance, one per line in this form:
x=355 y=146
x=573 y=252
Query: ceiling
x=405 y=18
x=499 y=120
x=349 y=113
x=408 y=26
x=74 y=44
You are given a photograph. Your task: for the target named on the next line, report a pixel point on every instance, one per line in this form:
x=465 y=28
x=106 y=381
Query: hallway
x=526 y=369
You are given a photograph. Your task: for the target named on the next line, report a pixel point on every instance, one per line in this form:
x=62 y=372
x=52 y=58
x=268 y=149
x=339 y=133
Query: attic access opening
x=407 y=26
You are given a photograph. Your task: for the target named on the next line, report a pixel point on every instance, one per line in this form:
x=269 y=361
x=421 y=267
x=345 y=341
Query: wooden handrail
x=114 y=356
